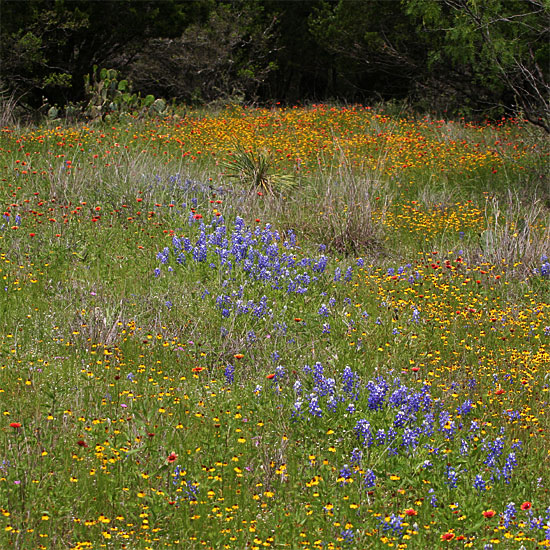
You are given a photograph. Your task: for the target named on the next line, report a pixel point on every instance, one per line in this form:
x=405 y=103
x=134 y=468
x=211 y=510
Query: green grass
x=332 y=369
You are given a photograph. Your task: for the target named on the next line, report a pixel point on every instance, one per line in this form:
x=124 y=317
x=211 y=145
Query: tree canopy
x=475 y=57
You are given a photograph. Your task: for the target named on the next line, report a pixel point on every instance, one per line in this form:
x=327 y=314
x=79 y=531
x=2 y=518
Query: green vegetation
x=358 y=361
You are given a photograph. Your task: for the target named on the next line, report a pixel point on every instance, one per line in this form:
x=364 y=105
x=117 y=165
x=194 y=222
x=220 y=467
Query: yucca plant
x=255 y=170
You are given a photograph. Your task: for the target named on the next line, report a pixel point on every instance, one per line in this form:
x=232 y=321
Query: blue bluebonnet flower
x=369 y=479
x=509 y=465
x=344 y=475
x=509 y=515
x=350 y=383
x=363 y=432
x=349 y=274
x=324 y=311
x=465 y=408
x=356 y=456
x=347 y=536
x=326 y=328
x=360 y=262
x=377 y=393
x=393 y=523
x=452 y=477
x=337 y=275
x=229 y=373
x=157 y=272
x=495 y=449
x=279 y=373
x=314 y=408
x=479 y=483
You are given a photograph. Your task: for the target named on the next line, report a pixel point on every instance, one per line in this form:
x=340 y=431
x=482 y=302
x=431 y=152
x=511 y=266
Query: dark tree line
x=478 y=57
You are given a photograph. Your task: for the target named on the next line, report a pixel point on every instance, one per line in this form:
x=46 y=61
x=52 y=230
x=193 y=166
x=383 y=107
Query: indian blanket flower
x=15 y=425
x=172 y=457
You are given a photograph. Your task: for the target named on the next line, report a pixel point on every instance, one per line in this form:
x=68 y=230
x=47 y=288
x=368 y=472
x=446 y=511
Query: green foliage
x=255 y=170
x=110 y=97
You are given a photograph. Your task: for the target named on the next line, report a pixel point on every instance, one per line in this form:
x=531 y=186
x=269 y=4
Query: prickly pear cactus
x=109 y=97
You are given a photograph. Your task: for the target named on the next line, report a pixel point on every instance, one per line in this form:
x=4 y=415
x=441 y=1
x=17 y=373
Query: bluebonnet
x=495 y=449
x=394 y=523
x=344 y=475
x=347 y=536
x=324 y=311
x=356 y=456
x=314 y=408
x=452 y=477
x=279 y=373
x=369 y=479
x=410 y=437
x=509 y=514
x=350 y=383
x=363 y=432
x=377 y=393
x=326 y=328
x=479 y=483
x=465 y=408
x=509 y=465
x=229 y=373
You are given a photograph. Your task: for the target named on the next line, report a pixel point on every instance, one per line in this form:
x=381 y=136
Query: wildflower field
x=302 y=328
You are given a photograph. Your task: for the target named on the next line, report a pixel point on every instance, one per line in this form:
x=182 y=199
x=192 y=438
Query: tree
x=228 y=56
x=500 y=47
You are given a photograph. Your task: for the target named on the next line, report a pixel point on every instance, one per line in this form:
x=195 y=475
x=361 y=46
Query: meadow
x=304 y=328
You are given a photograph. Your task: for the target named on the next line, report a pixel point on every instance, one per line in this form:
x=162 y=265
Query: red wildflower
x=197 y=369
x=197 y=216
x=411 y=512
x=172 y=457
x=415 y=369
x=526 y=505
x=270 y=376
x=447 y=536
x=238 y=356
x=81 y=443
x=15 y=425
x=489 y=513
